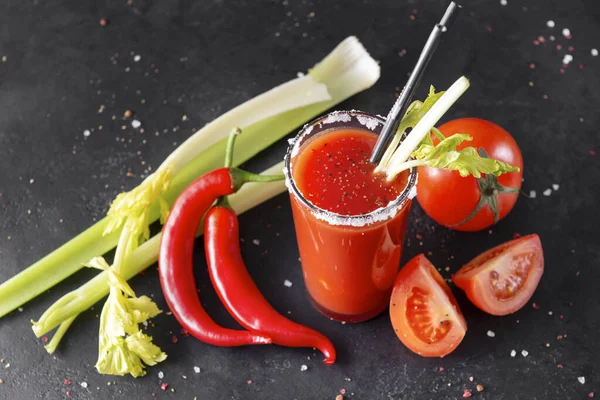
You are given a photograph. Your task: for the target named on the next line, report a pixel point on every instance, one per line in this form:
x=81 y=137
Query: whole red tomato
x=470 y=204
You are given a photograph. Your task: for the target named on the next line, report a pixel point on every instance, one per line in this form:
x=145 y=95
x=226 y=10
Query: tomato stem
x=489 y=190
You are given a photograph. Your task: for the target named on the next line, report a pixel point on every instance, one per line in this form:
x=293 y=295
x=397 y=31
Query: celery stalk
x=55 y=267
x=347 y=70
x=81 y=299
x=289 y=96
x=425 y=125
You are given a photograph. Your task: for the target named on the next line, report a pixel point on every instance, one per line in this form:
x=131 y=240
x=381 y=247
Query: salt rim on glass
x=341 y=118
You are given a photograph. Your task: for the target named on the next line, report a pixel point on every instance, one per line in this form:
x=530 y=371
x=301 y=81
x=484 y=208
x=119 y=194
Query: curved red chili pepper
x=176 y=260
x=239 y=293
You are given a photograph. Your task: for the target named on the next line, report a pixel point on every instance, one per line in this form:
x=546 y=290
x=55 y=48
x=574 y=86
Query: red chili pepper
x=176 y=254
x=239 y=293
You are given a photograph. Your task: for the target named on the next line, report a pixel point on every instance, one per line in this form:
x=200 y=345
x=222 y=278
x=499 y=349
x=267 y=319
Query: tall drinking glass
x=349 y=262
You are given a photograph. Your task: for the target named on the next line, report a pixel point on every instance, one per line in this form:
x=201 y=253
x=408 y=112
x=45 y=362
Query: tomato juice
x=350 y=222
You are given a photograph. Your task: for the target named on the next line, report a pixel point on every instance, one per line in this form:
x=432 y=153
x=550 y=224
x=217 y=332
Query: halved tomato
x=501 y=280
x=424 y=312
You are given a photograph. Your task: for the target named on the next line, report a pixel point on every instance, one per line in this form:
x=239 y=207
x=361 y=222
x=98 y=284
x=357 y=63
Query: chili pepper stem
x=239 y=177
x=230 y=144
x=223 y=202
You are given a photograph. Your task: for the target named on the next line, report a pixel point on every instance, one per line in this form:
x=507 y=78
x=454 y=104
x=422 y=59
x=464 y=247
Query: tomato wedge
x=501 y=280
x=424 y=312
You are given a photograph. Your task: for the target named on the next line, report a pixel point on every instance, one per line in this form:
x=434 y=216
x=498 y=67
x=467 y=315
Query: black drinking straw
x=399 y=109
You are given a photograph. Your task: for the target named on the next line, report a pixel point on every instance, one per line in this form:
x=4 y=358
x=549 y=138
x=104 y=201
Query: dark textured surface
x=201 y=58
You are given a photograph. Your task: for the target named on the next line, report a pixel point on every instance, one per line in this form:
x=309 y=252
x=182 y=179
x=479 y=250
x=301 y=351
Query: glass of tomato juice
x=350 y=221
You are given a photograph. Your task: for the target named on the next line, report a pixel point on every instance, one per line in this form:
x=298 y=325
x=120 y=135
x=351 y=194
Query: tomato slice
x=424 y=312
x=501 y=280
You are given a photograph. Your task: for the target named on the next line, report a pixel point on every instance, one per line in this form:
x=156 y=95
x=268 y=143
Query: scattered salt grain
x=137 y=58
x=547 y=192
x=303 y=368
x=566 y=32
x=524 y=353
x=20 y=309
x=555 y=186
x=197 y=370
x=581 y=379
x=594 y=52
x=532 y=194
x=550 y=24
x=503 y=2
x=84 y=385
x=287 y=283
x=161 y=375
x=136 y=124
x=256 y=242
x=491 y=333
x=86 y=133
x=567 y=59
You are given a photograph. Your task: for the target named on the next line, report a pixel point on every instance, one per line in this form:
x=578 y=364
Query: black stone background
x=203 y=58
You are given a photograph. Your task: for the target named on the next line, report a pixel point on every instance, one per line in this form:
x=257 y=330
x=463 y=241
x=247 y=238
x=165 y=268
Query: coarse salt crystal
x=594 y=52
x=513 y=353
x=581 y=379
x=197 y=370
x=84 y=385
x=532 y=194
x=256 y=242
x=86 y=133
x=287 y=283
x=161 y=375
x=491 y=333
x=566 y=32
x=567 y=59
x=524 y=353
x=555 y=186
x=137 y=58
x=136 y=124
x=503 y=2
x=547 y=192
x=550 y=24
x=303 y=367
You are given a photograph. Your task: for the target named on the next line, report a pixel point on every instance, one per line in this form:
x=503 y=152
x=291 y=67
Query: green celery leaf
x=418 y=109
x=466 y=161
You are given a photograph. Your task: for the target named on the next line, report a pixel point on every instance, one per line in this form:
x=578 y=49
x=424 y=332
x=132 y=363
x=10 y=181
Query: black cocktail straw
x=399 y=109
